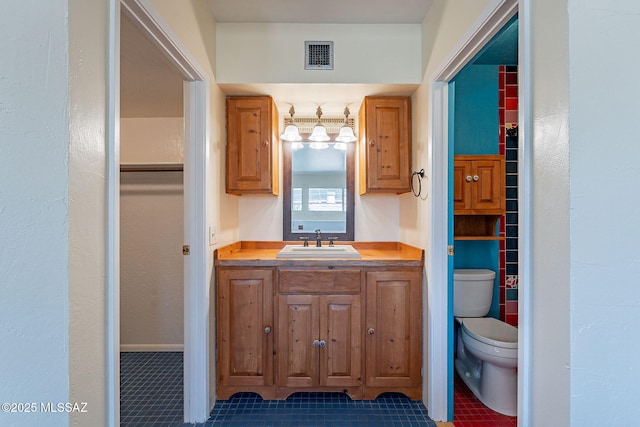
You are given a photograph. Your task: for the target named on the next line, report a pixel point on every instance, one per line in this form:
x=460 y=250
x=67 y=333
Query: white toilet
x=487 y=349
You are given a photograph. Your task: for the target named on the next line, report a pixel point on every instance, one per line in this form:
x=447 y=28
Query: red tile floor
x=469 y=412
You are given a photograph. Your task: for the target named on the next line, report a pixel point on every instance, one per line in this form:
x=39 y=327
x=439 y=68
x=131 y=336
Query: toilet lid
x=491 y=331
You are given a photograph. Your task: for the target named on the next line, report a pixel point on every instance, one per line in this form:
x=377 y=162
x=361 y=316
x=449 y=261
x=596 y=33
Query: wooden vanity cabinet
x=245 y=335
x=393 y=325
x=288 y=328
x=319 y=341
x=385 y=144
x=319 y=331
x=478 y=196
x=252 y=146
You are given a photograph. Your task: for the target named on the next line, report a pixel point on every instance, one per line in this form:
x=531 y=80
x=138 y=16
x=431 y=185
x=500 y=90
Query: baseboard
x=150 y=347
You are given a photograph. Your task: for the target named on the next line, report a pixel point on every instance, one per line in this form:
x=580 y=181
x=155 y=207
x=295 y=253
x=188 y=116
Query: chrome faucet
x=318 y=238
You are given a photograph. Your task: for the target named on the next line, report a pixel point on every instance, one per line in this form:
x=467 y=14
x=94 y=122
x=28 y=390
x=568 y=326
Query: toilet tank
x=472 y=292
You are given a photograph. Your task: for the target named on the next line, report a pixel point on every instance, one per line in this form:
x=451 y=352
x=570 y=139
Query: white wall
x=274 y=53
x=604 y=215
x=549 y=216
x=376 y=217
x=363 y=54
x=151 y=139
x=443 y=28
x=151 y=236
x=34 y=209
x=52 y=209
x=151 y=264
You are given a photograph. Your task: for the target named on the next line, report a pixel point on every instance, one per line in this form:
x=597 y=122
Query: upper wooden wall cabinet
x=478 y=195
x=385 y=144
x=252 y=146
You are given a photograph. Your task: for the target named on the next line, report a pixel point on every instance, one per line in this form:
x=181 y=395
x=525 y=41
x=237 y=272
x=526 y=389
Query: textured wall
x=52 y=209
x=34 y=209
x=151 y=236
x=151 y=264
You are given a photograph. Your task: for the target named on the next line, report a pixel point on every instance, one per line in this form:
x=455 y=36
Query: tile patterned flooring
x=319 y=410
x=151 y=395
x=469 y=412
x=151 y=389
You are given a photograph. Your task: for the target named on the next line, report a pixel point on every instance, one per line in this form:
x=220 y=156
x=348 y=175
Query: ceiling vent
x=318 y=55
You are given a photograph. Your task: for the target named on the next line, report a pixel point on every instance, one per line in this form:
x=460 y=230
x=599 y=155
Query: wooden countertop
x=373 y=254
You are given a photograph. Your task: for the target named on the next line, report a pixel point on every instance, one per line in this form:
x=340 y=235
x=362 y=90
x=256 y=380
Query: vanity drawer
x=293 y=280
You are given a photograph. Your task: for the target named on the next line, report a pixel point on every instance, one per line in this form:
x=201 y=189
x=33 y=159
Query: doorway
x=483 y=123
x=441 y=360
x=196 y=265
x=151 y=232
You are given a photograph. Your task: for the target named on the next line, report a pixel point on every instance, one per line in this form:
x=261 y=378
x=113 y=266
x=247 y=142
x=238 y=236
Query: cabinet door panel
x=393 y=322
x=461 y=200
x=297 y=329
x=244 y=311
x=385 y=127
x=489 y=188
x=340 y=328
x=250 y=158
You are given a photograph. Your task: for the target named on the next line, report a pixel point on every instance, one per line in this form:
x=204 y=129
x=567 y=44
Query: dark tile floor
x=151 y=395
x=319 y=410
x=151 y=389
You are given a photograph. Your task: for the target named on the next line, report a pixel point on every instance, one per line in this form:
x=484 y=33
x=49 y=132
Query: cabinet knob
x=372 y=143
x=267 y=329
x=468 y=178
x=371 y=331
x=265 y=143
x=475 y=178
x=322 y=343
x=316 y=343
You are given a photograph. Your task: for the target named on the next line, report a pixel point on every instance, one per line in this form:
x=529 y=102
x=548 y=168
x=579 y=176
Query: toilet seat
x=491 y=331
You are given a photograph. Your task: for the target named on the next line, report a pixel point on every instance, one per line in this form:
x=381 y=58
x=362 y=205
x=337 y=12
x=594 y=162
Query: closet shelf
x=151 y=167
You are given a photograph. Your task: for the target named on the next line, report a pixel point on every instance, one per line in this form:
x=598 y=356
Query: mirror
x=318 y=191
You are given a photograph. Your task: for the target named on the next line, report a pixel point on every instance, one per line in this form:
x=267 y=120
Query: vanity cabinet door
x=340 y=328
x=298 y=340
x=385 y=145
x=245 y=323
x=252 y=145
x=319 y=340
x=393 y=332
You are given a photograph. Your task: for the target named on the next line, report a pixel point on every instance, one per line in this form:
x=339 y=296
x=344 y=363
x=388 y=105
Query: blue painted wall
x=476 y=131
x=476 y=127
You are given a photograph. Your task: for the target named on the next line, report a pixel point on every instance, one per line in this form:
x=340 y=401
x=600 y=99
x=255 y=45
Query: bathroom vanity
x=351 y=325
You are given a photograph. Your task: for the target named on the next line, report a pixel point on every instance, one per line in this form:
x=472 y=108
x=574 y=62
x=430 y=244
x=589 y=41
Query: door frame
x=493 y=18
x=196 y=183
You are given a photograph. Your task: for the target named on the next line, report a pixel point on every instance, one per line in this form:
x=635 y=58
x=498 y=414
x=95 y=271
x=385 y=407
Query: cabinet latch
x=186 y=250
x=450 y=250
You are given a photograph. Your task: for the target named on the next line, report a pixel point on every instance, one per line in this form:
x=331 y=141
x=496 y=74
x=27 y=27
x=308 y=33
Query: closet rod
x=150 y=167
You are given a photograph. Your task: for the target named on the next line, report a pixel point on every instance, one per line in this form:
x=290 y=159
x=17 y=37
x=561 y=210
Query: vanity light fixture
x=319 y=133
x=346 y=132
x=291 y=132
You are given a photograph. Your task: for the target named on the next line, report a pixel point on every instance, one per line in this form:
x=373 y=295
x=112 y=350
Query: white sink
x=299 y=251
